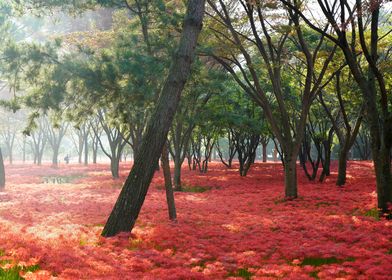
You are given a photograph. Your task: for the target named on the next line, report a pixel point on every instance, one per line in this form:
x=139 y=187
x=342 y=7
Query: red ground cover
x=241 y=228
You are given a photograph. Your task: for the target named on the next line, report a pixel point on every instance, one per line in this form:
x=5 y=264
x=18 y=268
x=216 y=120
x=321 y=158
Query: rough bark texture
x=290 y=177
x=342 y=169
x=130 y=201
x=2 y=172
x=171 y=206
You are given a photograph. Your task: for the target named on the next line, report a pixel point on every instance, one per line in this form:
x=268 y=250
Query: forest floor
x=238 y=228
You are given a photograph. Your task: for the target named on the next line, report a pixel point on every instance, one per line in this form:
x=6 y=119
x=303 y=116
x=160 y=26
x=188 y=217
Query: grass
x=374 y=213
x=313 y=261
x=190 y=189
x=314 y=275
x=13 y=273
x=195 y=189
x=242 y=272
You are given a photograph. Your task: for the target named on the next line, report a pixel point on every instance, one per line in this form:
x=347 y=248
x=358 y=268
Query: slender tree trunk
x=128 y=205
x=11 y=158
x=168 y=183
x=95 y=151
x=264 y=152
x=86 y=149
x=2 y=172
x=290 y=176
x=24 y=150
x=177 y=173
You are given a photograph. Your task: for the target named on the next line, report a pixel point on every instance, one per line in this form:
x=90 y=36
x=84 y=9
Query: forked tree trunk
x=130 y=201
x=2 y=172
x=171 y=206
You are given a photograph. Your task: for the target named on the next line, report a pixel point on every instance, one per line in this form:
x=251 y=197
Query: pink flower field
x=238 y=228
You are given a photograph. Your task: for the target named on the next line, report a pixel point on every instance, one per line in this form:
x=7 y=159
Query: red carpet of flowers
x=241 y=228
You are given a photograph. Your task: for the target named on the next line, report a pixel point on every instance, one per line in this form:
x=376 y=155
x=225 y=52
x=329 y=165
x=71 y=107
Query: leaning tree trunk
x=130 y=201
x=2 y=172
x=171 y=206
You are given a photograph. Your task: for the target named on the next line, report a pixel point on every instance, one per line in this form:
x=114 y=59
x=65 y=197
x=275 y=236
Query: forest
x=196 y=139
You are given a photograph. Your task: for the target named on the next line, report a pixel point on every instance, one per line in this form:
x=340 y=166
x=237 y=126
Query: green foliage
x=13 y=273
x=319 y=261
x=195 y=189
x=374 y=213
x=242 y=273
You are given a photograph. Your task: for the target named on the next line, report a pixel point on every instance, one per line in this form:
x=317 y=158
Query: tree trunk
x=168 y=183
x=55 y=156
x=86 y=149
x=290 y=176
x=24 y=150
x=342 y=166
x=130 y=201
x=2 y=172
x=382 y=166
x=177 y=173
x=39 y=160
x=95 y=151
x=11 y=158
x=264 y=152
x=114 y=167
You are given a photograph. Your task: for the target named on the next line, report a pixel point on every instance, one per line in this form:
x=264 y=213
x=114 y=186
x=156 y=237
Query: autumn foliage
x=237 y=228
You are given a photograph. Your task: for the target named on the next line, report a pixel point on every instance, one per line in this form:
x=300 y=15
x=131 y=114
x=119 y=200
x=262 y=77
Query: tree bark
x=86 y=148
x=171 y=206
x=114 y=167
x=290 y=176
x=342 y=168
x=55 y=156
x=177 y=173
x=2 y=172
x=130 y=201
x=264 y=152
